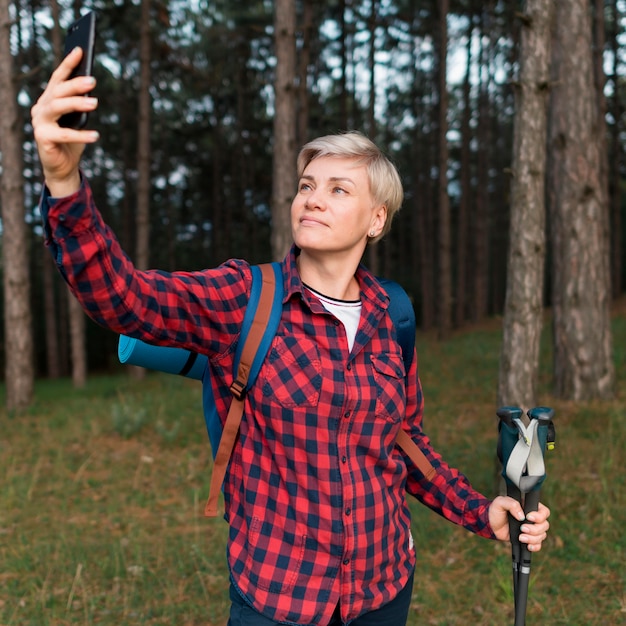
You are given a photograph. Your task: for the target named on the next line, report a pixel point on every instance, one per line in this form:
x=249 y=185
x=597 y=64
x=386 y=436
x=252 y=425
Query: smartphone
x=82 y=33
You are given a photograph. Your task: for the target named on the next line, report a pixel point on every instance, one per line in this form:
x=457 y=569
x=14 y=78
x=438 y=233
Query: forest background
x=203 y=106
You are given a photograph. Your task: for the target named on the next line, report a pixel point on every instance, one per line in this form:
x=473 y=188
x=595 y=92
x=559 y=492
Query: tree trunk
x=373 y=255
x=142 y=217
x=480 y=227
x=583 y=363
x=425 y=213
x=219 y=232
x=56 y=35
x=19 y=360
x=421 y=198
x=344 y=118
x=599 y=78
x=523 y=311
x=284 y=157
x=617 y=155
x=426 y=236
x=77 y=342
x=142 y=250
x=304 y=60
x=460 y=305
x=49 y=275
x=444 y=238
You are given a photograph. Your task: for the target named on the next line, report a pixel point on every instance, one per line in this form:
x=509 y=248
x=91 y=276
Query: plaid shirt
x=315 y=492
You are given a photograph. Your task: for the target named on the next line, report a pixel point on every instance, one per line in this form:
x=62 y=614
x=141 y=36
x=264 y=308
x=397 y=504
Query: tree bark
x=422 y=164
x=462 y=274
x=480 y=223
x=142 y=217
x=444 y=235
x=423 y=209
x=599 y=78
x=142 y=249
x=583 y=362
x=617 y=156
x=49 y=275
x=523 y=310
x=372 y=251
x=77 y=342
x=344 y=115
x=309 y=13
x=284 y=157
x=18 y=332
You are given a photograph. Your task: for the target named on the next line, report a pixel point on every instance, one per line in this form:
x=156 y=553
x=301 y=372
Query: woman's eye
x=339 y=190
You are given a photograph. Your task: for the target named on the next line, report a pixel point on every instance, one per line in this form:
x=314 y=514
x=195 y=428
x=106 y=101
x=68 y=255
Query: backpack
x=259 y=326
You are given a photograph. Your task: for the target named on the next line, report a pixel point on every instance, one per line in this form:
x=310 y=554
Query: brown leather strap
x=415 y=454
x=238 y=388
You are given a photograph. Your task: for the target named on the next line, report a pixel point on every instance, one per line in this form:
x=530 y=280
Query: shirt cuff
x=60 y=216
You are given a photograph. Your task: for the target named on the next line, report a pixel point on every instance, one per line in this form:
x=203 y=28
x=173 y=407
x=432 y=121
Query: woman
x=315 y=493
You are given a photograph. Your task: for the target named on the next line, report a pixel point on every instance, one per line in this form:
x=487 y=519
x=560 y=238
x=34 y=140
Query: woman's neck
x=333 y=279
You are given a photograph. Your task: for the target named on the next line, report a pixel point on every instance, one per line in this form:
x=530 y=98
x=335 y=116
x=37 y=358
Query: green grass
x=102 y=492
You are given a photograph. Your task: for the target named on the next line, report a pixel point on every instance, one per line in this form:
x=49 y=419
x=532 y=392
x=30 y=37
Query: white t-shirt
x=348 y=312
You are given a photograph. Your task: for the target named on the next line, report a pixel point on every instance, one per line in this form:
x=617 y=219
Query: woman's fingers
x=60 y=148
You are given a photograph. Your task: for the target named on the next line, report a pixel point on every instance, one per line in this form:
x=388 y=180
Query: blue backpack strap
x=249 y=319
x=263 y=315
x=211 y=417
x=403 y=317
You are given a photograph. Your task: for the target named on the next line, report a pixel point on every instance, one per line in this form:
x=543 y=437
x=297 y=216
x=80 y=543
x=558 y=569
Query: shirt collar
x=371 y=290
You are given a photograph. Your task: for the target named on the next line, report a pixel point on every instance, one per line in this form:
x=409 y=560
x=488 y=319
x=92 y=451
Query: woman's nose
x=315 y=200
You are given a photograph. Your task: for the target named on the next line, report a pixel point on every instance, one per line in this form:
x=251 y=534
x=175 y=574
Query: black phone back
x=82 y=33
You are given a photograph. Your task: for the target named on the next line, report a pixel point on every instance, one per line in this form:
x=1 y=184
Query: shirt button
x=62 y=217
x=344 y=459
x=348 y=511
x=349 y=366
x=346 y=561
x=346 y=414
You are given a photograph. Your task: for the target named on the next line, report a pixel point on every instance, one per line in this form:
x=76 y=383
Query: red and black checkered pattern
x=315 y=492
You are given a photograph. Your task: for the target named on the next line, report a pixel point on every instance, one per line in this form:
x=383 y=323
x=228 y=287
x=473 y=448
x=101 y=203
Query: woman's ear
x=378 y=221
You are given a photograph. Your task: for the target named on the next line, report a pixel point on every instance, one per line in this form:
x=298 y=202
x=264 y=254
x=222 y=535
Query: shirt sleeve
x=199 y=311
x=449 y=493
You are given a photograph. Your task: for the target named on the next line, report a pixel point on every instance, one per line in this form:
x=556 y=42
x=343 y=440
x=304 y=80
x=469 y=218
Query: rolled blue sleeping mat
x=170 y=360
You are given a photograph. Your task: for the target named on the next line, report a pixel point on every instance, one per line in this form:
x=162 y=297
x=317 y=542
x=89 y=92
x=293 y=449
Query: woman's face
x=333 y=210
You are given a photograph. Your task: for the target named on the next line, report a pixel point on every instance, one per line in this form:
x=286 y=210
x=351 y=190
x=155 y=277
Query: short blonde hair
x=384 y=180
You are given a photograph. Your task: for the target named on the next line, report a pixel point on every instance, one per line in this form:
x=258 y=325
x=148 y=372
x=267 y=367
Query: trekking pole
x=524 y=472
x=544 y=435
x=507 y=440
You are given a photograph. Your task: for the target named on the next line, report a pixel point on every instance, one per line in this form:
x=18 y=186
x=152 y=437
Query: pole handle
x=531 y=501
x=508 y=413
x=543 y=413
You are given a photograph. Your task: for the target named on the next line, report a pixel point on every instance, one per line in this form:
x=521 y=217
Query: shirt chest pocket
x=292 y=374
x=390 y=397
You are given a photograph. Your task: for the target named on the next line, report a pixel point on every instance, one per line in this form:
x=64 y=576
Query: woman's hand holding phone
x=60 y=148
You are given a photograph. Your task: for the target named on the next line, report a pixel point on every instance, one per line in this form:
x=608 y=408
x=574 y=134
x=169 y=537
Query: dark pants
x=394 y=613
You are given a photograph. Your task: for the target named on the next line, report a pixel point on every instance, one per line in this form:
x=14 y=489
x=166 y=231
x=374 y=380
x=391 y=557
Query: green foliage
x=101 y=525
